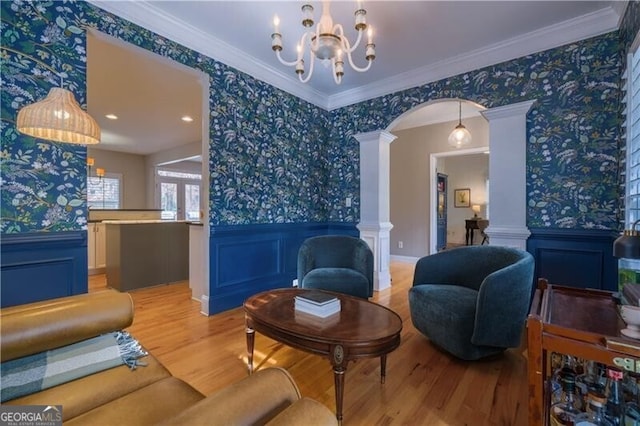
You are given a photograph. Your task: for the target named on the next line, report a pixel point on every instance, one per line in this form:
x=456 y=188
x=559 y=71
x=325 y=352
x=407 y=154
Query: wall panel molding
x=578 y=258
x=41 y=266
x=248 y=259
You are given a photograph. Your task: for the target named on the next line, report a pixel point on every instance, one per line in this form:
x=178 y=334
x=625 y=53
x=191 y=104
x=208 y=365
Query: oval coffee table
x=361 y=329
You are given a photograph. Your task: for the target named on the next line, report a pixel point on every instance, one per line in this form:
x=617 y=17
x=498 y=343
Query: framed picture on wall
x=462 y=197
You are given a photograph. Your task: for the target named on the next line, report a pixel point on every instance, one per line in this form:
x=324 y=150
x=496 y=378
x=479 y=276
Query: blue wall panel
x=246 y=260
x=575 y=258
x=41 y=266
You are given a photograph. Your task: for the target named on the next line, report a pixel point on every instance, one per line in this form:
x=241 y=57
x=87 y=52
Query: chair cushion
x=342 y=280
x=446 y=315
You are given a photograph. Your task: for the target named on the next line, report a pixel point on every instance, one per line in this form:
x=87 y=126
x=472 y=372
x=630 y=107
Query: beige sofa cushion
x=40 y=326
x=146 y=406
x=254 y=400
x=89 y=392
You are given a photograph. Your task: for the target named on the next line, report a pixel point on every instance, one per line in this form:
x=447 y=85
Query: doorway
x=160 y=112
x=467 y=170
x=507 y=168
x=422 y=140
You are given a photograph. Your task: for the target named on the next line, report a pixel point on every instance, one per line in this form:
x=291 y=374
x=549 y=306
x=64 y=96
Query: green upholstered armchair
x=336 y=263
x=472 y=301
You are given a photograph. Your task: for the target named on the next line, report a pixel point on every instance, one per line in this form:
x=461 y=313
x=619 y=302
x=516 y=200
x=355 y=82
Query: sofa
x=146 y=394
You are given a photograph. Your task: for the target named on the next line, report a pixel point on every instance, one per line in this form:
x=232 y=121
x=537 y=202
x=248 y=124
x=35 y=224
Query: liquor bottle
x=590 y=380
x=632 y=407
x=568 y=407
x=567 y=367
x=614 y=409
x=595 y=414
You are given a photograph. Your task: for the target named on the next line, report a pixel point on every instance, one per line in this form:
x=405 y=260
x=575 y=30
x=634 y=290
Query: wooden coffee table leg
x=338 y=376
x=251 y=334
x=383 y=368
x=339 y=369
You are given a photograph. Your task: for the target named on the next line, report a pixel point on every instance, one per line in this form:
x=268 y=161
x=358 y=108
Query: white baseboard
x=403 y=259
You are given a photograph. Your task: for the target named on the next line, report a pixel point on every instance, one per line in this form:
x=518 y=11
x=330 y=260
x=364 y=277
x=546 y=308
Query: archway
x=507 y=168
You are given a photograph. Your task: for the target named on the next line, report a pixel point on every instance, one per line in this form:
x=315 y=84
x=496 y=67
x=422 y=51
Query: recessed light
x=111 y=116
x=187 y=119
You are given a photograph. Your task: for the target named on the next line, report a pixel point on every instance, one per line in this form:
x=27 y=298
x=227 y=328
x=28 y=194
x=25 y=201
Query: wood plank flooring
x=424 y=385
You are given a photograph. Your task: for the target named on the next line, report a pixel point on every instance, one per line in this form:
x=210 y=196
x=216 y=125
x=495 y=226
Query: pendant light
x=460 y=136
x=58 y=118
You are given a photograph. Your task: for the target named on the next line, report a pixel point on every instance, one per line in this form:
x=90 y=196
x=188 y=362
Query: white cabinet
x=96 y=245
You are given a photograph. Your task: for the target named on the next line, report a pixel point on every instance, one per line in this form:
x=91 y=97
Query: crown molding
x=580 y=28
x=146 y=15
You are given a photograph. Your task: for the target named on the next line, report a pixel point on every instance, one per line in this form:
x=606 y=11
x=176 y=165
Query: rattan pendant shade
x=59 y=118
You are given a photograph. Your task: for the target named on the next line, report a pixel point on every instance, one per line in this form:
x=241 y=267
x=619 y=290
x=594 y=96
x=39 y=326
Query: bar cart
x=573 y=321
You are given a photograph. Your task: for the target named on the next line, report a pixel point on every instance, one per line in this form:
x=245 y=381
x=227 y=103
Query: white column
x=507 y=179
x=374 y=223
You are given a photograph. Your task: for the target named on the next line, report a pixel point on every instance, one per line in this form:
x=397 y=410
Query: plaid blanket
x=43 y=370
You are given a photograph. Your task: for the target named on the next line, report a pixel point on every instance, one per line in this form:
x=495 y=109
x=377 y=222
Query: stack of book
x=317 y=303
x=631 y=294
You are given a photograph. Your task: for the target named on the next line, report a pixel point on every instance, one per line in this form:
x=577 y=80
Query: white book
x=316 y=298
x=328 y=306
x=319 y=311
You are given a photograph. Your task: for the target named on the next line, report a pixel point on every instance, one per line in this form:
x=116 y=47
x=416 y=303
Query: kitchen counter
x=144 y=253
x=124 y=214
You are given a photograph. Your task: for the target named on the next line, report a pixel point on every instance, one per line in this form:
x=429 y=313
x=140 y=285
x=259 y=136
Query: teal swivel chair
x=339 y=263
x=472 y=301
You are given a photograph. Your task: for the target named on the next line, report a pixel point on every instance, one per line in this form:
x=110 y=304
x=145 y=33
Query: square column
x=374 y=223
x=507 y=169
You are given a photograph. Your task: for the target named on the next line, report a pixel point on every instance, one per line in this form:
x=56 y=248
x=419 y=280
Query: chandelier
x=327 y=42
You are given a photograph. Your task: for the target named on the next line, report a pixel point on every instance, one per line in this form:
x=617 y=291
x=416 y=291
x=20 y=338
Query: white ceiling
x=416 y=42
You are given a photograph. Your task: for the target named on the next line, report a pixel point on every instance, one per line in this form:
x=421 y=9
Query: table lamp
x=627 y=245
x=476 y=210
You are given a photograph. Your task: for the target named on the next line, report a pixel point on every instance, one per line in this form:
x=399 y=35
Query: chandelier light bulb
x=276 y=22
x=326 y=42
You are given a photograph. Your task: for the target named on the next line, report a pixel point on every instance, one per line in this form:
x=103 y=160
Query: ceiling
x=416 y=42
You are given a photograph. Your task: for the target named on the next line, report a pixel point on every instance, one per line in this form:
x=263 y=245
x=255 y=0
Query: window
x=104 y=193
x=632 y=203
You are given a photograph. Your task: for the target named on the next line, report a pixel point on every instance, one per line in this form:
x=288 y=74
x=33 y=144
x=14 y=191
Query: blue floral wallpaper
x=277 y=159
x=43 y=184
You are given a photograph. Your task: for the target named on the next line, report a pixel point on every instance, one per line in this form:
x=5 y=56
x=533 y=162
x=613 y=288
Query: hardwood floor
x=424 y=386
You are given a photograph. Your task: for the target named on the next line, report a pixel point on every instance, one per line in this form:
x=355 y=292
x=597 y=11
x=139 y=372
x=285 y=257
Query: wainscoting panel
x=577 y=258
x=41 y=266
x=248 y=259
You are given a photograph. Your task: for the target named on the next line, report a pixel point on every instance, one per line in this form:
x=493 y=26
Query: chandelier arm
x=356 y=68
x=348 y=49
x=308 y=77
x=283 y=62
x=313 y=47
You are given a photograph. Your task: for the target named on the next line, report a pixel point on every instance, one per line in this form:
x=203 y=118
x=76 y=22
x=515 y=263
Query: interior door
x=441 y=212
x=191 y=201
x=169 y=200
x=180 y=200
